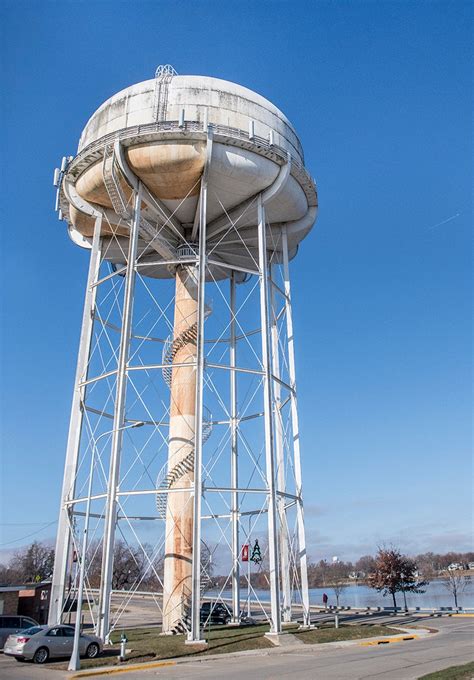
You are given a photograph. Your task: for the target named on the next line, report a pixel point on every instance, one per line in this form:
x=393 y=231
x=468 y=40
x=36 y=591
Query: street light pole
x=248 y=572
x=75 y=660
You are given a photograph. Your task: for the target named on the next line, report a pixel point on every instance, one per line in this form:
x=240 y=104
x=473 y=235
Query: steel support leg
x=281 y=484
x=75 y=661
x=63 y=539
x=267 y=396
x=117 y=433
x=234 y=461
x=195 y=632
x=296 y=435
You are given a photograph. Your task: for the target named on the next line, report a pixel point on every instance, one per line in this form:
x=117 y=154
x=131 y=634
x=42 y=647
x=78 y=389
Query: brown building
x=30 y=599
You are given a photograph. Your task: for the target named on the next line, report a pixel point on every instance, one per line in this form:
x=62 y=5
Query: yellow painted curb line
x=122 y=669
x=464 y=616
x=386 y=641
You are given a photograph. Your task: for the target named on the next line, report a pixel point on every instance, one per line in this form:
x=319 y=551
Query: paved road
x=401 y=661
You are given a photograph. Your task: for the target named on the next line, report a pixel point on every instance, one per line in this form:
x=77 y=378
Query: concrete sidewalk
x=286 y=645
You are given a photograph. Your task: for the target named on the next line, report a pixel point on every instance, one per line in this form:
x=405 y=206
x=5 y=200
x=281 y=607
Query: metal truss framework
x=246 y=467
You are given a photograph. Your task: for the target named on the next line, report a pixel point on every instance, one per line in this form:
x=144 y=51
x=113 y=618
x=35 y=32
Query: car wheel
x=41 y=655
x=92 y=651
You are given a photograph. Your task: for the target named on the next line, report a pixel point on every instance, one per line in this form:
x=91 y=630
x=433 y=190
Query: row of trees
x=389 y=572
x=34 y=563
x=428 y=565
x=132 y=566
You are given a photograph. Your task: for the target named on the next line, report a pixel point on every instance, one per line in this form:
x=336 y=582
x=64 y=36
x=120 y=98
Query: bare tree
x=337 y=579
x=128 y=568
x=456 y=583
x=34 y=563
x=207 y=567
x=129 y=563
x=365 y=564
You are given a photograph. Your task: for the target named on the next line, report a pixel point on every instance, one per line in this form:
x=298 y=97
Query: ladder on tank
x=112 y=183
x=163 y=77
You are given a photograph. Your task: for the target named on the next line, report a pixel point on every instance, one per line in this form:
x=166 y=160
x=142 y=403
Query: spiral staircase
x=169 y=478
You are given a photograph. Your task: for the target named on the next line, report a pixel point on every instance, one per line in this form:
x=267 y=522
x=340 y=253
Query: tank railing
x=298 y=169
x=195 y=126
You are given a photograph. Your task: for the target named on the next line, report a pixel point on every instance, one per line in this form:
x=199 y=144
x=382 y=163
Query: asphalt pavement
x=408 y=660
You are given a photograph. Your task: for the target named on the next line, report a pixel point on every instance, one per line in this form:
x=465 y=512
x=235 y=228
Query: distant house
x=455 y=566
x=354 y=575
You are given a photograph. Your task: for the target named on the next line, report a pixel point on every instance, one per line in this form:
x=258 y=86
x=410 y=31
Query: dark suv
x=215 y=612
x=9 y=625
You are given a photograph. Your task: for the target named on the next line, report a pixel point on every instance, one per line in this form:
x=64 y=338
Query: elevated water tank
x=162 y=126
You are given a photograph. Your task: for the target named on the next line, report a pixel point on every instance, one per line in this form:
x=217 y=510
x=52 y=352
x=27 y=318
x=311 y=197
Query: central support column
x=179 y=514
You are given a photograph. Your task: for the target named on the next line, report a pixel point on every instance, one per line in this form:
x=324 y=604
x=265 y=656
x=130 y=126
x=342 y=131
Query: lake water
x=434 y=597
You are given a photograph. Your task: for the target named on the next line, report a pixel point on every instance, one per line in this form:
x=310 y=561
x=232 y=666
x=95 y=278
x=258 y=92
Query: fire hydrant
x=123 y=642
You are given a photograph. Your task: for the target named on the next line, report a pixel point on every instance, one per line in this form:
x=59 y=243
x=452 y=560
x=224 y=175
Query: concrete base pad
x=199 y=643
x=283 y=639
x=274 y=638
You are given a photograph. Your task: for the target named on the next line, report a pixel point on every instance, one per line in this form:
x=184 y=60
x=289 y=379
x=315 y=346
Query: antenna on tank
x=57 y=179
x=165 y=70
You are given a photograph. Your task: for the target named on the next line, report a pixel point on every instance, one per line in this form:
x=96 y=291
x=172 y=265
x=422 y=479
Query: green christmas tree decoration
x=256 y=554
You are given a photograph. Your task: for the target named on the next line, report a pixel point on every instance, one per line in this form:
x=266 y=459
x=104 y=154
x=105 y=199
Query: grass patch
x=465 y=672
x=344 y=632
x=146 y=644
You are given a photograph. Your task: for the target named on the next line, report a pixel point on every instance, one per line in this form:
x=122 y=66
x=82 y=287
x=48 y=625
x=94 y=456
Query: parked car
x=13 y=624
x=215 y=612
x=41 y=643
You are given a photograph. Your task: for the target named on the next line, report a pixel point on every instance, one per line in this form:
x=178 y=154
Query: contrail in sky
x=453 y=217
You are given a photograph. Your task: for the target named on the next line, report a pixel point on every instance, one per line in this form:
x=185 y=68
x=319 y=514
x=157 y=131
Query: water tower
x=191 y=196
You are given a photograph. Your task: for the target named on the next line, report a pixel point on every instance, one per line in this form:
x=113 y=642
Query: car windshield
x=33 y=630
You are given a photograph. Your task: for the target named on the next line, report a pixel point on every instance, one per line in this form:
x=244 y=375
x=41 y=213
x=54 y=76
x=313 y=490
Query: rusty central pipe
x=179 y=510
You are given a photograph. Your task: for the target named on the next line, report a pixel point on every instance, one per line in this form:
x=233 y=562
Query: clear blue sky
x=381 y=95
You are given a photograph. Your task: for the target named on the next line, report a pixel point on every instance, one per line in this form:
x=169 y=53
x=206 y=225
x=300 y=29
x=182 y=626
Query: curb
x=122 y=669
x=386 y=641
x=462 y=616
x=111 y=670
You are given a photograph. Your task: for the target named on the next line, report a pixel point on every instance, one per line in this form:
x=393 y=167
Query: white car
x=40 y=643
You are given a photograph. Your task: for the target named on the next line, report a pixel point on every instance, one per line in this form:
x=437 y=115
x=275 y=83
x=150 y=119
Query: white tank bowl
x=252 y=140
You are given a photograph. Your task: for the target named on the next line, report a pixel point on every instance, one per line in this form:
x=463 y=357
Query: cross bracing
x=134 y=478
